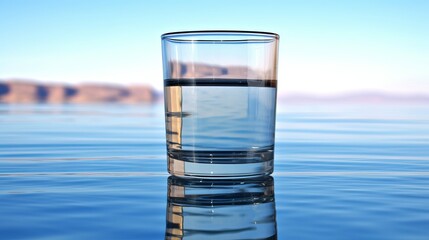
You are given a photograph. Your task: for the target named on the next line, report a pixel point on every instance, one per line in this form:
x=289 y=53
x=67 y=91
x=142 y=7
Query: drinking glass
x=220 y=91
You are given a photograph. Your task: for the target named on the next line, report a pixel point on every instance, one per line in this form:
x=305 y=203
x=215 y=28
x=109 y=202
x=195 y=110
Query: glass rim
x=184 y=35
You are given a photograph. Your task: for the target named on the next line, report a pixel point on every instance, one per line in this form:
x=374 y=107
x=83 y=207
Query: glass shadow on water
x=221 y=209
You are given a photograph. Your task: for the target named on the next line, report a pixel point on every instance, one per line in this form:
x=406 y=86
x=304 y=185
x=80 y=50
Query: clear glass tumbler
x=220 y=91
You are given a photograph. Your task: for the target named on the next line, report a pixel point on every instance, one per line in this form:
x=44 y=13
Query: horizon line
x=289 y=95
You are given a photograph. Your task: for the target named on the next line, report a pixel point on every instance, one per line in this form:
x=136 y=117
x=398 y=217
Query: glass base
x=225 y=164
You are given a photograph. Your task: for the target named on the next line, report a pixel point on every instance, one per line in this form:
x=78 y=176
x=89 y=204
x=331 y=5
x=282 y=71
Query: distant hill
x=25 y=91
x=356 y=97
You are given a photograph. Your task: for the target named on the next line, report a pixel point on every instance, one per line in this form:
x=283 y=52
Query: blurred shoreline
x=29 y=91
x=364 y=97
x=23 y=91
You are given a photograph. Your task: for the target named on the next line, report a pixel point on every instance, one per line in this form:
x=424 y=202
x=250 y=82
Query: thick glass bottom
x=220 y=164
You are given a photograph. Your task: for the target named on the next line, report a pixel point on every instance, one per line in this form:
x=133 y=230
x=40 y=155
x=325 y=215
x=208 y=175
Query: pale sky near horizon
x=325 y=46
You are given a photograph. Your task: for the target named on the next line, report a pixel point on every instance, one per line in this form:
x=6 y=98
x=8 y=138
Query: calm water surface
x=99 y=172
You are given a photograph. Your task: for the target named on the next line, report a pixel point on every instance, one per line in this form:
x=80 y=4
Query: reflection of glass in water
x=220 y=127
x=221 y=209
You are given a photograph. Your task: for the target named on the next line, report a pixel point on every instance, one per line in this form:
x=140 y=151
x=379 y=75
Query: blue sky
x=325 y=46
